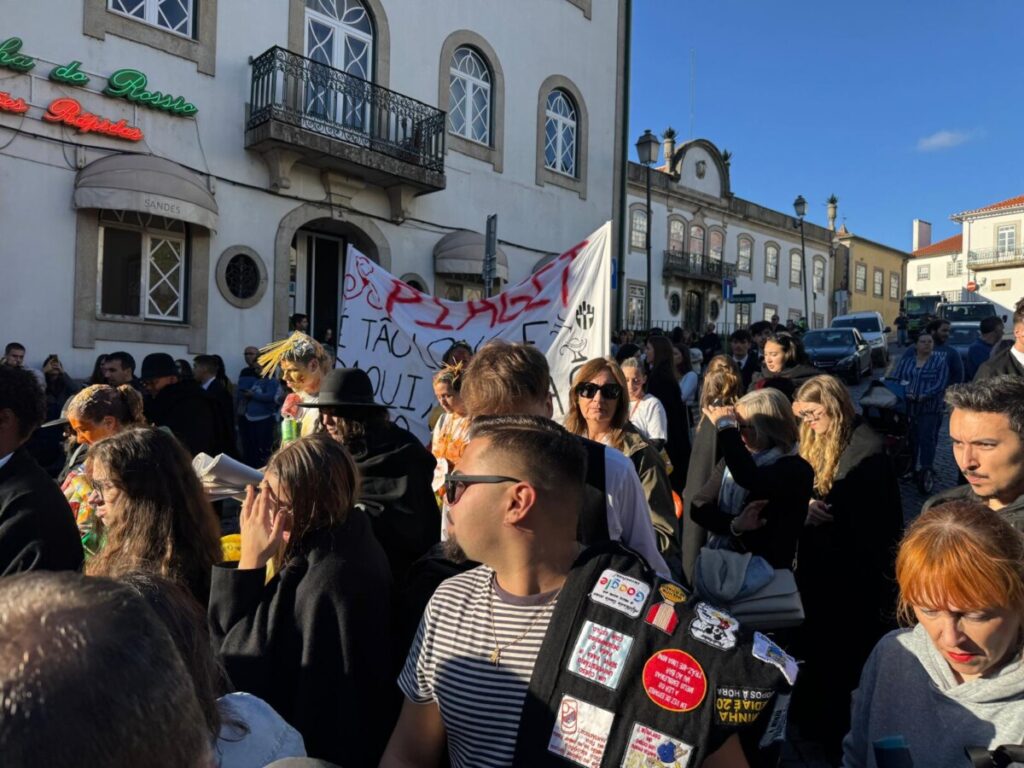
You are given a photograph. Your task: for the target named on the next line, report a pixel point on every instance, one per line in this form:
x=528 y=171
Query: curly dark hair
x=21 y=393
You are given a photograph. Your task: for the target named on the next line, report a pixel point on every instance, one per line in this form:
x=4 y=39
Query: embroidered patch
x=776 y=730
x=767 y=651
x=672 y=592
x=581 y=732
x=663 y=616
x=740 y=706
x=648 y=748
x=674 y=680
x=621 y=593
x=714 y=627
x=600 y=654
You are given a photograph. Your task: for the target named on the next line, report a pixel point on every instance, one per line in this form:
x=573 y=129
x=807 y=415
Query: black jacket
x=792 y=378
x=999 y=365
x=37 y=527
x=786 y=484
x=224 y=409
x=315 y=642
x=1013 y=512
x=704 y=457
x=185 y=409
x=664 y=387
x=396 y=471
x=750 y=366
x=845 y=571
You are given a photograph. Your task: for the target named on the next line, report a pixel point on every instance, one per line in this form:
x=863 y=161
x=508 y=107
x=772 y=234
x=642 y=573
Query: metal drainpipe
x=620 y=281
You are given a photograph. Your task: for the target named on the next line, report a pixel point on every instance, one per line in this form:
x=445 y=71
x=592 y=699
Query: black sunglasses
x=455 y=484
x=608 y=391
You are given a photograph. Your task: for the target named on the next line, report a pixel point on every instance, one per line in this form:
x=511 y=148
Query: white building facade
x=988 y=253
x=702 y=235
x=183 y=176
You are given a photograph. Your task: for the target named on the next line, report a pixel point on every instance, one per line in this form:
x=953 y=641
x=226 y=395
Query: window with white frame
x=955 y=268
x=770 y=311
x=924 y=271
x=742 y=315
x=716 y=243
x=638 y=229
x=771 y=262
x=176 y=16
x=1006 y=239
x=744 y=255
x=877 y=282
x=676 y=235
x=819 y=275
x=142 y=266
x=860 y=278
x=469 y=102
x=794 y=315
x=697 y=240
x=796 y=268
x=560 y=133
x=894 y=286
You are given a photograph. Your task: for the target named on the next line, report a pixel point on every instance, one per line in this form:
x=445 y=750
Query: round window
x=242 y=276
x=713 y=310
x=675 y=303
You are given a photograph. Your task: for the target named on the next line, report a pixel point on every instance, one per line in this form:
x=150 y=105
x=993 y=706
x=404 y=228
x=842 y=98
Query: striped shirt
x=449 y=663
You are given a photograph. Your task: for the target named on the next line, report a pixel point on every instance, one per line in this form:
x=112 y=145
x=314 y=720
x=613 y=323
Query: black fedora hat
x=345 y=386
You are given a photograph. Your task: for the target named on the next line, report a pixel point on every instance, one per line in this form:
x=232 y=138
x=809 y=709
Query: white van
x=874 y=330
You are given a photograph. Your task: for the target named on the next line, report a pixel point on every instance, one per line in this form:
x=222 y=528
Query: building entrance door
x=317 y=280
x=694 y=314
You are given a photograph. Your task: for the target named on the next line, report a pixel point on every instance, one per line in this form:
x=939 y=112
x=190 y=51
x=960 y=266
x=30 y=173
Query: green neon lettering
x=131 y=84
x=12 y=59
x=69 y=74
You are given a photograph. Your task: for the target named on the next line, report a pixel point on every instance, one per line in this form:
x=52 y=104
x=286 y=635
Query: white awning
x=147 y=184
x=462 y=253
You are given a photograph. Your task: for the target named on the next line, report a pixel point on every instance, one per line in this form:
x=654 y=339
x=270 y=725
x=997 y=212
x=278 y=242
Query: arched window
x=819 y=275
x=469 y=103
x=744 y=255
x=339 y=34
x=697 y=240
x=676 y=235
x=796 y=268
x=771 y=262
x=560 y=133
x=716 y=241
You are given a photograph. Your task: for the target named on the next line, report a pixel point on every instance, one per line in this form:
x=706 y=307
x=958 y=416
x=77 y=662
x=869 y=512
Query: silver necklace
x=495 y=656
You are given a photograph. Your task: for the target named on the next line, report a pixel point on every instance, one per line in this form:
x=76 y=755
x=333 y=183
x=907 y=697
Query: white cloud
x=943 y=140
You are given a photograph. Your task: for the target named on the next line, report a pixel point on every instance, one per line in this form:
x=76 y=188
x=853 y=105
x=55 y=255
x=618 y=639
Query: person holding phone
x=846 y=554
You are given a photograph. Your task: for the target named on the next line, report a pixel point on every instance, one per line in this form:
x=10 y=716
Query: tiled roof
x=1010 y=203
x=952 y=244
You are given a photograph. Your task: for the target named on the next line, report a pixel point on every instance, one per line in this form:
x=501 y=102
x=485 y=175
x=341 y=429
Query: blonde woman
x=847 y=549
x=451 y=432
x=646 y=412
x=758 y=440
x=599 y=410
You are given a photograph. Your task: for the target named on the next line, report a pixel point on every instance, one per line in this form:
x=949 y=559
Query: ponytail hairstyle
x=96 y=402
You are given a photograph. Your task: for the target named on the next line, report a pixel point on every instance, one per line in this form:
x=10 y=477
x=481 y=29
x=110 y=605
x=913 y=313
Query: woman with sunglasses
x=155 y=514
x=313 y=641
x=663 y=384
x=847 y=550
x=599 y=410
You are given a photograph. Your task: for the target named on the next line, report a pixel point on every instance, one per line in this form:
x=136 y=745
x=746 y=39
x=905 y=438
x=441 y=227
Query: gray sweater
x=907 y=689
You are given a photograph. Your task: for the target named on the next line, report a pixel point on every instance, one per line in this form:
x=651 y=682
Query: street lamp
x=800 y=207
x=647 y=147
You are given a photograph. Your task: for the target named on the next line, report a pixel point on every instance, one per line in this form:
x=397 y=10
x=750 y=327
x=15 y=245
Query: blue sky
x=902 y=109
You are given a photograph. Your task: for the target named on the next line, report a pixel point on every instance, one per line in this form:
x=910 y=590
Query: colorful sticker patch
x=663 y=616
x=776 y=730
x=621 y=593
x=674 y=680
x=767 y=651
x=714 y=627
x=648 y=748
x=581 y=732
x=600 y=654
x=740 y=706
x=672 y=592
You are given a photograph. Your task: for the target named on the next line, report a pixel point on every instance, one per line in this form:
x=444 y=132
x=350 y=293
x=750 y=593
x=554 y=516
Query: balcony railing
x=293 y=92
x=696 y=266
x=992 y=258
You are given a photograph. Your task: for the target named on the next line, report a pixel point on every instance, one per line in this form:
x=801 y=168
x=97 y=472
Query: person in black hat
x=396 y=469
x=180 y=406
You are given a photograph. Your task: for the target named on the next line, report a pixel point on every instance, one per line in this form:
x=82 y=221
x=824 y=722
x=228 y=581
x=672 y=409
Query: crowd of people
x=703 y=559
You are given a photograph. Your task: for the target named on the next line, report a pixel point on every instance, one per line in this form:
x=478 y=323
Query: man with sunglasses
x=514 y=379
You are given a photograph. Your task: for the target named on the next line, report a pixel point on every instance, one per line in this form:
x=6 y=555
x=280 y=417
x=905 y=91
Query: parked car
x=961 y=336
x=842 y=351
x=874 y=330
x=967 y=311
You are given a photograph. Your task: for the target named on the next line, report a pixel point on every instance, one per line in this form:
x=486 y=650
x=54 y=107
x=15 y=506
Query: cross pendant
x=495 y=656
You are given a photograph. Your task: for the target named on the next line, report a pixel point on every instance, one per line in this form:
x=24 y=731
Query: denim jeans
x=926 y=434
x=901 y=336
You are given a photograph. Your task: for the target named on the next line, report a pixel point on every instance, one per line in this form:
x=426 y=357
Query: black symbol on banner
x=585 y=315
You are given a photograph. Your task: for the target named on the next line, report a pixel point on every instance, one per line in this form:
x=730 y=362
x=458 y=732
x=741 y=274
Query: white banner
x=398 y=335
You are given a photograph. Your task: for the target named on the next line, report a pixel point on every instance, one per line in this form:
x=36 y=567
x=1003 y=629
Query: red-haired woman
x=956 y=680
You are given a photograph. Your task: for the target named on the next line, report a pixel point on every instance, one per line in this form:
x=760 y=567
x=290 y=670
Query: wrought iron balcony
x=337 y=121
x=993 y=258
x=695 y=266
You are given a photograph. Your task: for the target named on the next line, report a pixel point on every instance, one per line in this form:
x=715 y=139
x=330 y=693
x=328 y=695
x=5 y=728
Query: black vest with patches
x=634 y=671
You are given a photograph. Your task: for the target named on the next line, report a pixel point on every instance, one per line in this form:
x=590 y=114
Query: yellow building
x=869 y=276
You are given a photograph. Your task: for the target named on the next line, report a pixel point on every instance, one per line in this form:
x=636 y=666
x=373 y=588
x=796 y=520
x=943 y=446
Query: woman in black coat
x=662 y=383
x=847 y=551
x=786 y=365
x=314 y=640
x=758 y=440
